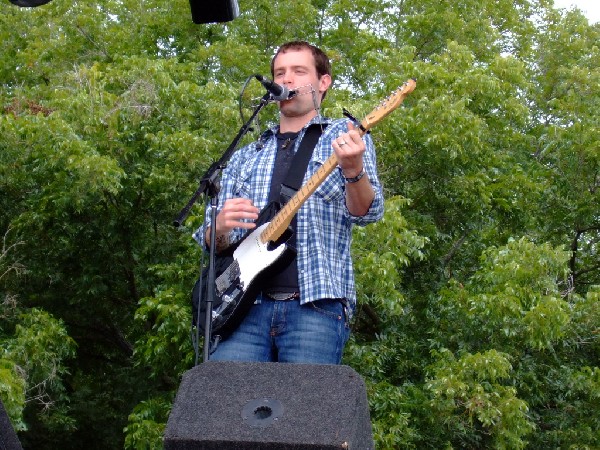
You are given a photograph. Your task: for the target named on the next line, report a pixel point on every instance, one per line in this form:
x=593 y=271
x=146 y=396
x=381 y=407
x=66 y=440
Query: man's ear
x=324 y=83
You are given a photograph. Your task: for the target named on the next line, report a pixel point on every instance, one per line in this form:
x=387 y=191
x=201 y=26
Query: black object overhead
x=213 y=11
x=29 y=3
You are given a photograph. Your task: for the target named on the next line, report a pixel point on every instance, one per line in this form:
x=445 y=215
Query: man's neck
x=295 y=124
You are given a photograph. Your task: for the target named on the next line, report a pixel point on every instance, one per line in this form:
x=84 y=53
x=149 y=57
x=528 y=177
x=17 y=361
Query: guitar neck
x=282 y=220
x=284 y=217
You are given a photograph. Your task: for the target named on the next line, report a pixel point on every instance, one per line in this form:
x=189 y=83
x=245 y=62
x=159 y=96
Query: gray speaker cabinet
x=269 y=406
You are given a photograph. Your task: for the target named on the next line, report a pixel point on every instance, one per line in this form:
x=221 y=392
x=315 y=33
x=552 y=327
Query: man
x=302 y=313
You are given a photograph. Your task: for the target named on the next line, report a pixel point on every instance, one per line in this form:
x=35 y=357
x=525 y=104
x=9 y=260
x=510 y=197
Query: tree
x=478 y=300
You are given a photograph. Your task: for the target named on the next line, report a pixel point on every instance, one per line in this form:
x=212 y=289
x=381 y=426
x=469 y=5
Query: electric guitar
x=241 y=267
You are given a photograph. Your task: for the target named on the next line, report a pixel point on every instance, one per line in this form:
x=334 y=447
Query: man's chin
x=287 y=108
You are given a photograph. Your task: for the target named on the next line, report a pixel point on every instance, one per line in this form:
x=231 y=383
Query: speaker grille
x=269 y=406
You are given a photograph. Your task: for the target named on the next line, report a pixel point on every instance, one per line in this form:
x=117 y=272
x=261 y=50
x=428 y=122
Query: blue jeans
x=285 y=331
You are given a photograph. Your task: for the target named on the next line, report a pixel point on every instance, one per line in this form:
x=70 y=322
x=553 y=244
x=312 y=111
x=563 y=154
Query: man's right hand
x=232 y=215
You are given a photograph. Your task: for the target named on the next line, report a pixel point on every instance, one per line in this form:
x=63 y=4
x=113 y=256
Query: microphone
x=277 y=91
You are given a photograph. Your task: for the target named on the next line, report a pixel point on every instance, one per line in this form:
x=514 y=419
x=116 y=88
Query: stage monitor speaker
x=211 y=11
x=8 y=437
x=269 y=406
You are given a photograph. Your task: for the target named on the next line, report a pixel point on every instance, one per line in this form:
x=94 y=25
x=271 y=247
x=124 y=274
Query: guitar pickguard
x=239 y=278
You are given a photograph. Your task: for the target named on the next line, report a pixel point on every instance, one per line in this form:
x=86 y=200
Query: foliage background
x=479 y=310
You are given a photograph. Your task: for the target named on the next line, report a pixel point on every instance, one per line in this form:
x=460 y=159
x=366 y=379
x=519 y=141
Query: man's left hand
x=349 y=149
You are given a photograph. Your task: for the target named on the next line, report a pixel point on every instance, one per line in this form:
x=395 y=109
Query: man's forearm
x=359 y=196
x=221 y=240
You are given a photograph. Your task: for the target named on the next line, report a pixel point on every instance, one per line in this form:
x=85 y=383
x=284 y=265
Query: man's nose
x=288 y=77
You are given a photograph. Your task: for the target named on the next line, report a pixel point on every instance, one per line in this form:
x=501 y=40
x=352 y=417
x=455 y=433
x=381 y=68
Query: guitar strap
x=300 y=161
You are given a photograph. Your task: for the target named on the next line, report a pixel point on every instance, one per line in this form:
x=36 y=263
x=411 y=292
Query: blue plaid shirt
x=324 y=232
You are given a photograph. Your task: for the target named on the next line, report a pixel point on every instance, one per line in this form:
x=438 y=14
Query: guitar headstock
x=388 y=105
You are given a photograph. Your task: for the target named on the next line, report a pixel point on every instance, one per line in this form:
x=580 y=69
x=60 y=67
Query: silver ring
x=342 y=143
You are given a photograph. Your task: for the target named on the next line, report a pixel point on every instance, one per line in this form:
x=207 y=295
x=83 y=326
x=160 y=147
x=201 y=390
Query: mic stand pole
x=209 y=186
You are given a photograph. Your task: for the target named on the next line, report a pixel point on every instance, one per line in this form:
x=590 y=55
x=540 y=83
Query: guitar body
x=240 y=272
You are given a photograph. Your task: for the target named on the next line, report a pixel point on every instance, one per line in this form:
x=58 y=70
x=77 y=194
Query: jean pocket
x=332 y=308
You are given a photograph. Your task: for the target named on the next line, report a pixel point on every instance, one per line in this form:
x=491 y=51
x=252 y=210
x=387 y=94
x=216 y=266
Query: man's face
x=296 y=70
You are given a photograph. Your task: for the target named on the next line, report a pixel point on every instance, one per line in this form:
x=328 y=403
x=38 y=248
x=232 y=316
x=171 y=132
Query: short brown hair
x=322 y=63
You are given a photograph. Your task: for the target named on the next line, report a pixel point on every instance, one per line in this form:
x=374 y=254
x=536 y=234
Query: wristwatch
x=357 y=177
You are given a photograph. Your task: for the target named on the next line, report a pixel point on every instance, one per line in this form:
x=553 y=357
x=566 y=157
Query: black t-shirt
x=287 y=279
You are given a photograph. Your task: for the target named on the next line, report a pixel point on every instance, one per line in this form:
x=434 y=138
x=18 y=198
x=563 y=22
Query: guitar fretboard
x=283 y=218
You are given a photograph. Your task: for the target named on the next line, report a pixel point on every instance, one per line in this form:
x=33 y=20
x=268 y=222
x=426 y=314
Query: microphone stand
x=209 y=186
